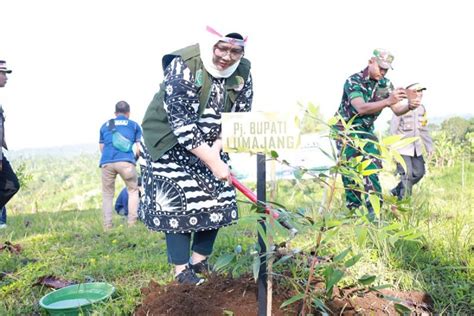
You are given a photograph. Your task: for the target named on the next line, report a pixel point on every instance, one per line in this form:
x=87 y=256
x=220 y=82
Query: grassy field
x=57 y=221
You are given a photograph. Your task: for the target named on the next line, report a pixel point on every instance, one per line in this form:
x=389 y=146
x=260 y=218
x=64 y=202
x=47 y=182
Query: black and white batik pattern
x=181 y=193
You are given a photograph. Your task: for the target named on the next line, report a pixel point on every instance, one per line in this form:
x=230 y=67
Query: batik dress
x=181 y=193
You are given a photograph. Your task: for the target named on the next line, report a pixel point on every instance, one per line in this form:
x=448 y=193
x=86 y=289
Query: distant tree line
x=454 y=141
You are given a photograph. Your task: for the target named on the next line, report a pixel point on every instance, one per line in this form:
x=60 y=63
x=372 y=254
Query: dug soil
x=226 y=296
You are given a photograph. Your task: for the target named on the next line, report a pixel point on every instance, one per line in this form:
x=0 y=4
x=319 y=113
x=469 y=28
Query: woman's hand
x=217 y=147
x=221 y=171
x=211 y=156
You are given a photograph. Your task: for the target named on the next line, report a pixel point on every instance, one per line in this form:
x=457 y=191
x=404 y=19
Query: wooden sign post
x=260 y=132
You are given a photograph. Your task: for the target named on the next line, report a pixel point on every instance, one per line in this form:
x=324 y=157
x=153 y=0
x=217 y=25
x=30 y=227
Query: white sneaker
x=3 y=226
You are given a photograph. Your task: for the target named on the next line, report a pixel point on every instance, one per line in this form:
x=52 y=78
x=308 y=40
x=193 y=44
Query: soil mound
x=226 y=296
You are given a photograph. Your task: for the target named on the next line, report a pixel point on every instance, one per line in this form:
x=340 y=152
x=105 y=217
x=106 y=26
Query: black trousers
x=415 y=171
x=9 y=184
x=178 y=245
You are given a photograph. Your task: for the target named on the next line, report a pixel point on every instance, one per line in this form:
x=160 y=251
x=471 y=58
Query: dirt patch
x=218 y=295
x=385 y=302
x=226 y=296
x=13 y=248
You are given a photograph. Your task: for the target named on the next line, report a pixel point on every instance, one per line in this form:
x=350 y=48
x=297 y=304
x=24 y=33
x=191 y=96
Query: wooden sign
x=259 y=131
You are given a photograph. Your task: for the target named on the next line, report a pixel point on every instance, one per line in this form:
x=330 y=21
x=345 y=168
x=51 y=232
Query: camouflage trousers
x=357 y=193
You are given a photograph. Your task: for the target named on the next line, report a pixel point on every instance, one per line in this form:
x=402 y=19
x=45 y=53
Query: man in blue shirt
x=119 y=160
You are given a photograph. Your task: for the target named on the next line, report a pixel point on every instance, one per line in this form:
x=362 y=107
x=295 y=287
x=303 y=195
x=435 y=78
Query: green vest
x=157 y=133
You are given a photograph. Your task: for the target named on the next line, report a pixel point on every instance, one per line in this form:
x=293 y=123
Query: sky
x=73 y=60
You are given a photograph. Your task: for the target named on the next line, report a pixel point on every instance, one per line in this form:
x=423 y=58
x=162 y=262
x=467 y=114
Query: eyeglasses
x=235 y=54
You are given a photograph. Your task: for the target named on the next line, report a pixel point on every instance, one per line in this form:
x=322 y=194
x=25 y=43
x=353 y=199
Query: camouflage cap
x=3 y=67
x=416 y=86
x=384 y=58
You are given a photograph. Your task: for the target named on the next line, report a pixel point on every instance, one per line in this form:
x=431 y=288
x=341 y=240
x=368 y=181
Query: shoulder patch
x=198 y=79
x=240 y=83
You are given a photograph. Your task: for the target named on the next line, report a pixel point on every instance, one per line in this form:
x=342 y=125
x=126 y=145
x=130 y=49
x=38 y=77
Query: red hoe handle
x=251 y=195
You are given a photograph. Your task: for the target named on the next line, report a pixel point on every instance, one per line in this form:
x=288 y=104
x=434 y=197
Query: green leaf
x=364 y=164
x=297 y=121
x=223 y=261
x=254 y=208
x=369 y=172
x=394 y=226
x=352 y=261
x=282 y=260
x=391 y=139
x=274 y=154
x=399 y=159
x=392 y=298
x=331 y=223
x=409 y=234
x=380 y=287
x=375 y=202
x=298 y=173
x=292 y=299
x=329 y=236
x=384 y=152
x=402 y=309
x=351 y=121
x=313 y=110
x=256 y=267
x=358 y=159
x=332 y=157
x=406 y=232
x=333 y=276
x=361 y=235
x=333 y=120
x=367 y=279
x=279 y=205
x=392 y=240
x=320 y=304
x=342 y=255
x=404 y=142
x=414 y=236
x=250 y=218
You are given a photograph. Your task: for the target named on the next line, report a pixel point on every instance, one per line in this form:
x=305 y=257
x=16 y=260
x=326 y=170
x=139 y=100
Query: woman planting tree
x=186 y=178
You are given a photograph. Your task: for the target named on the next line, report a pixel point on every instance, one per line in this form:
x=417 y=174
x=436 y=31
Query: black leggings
x=9 y=184
x=178 y=244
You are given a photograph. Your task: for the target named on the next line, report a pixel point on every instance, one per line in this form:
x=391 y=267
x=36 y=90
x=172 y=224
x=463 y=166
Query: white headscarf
x=206 y=47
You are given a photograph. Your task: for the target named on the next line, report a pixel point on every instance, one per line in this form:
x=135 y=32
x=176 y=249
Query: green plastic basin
x=71 y=300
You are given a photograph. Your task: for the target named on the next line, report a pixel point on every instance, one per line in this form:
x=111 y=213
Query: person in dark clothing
x=9 y=184
x=121 y=203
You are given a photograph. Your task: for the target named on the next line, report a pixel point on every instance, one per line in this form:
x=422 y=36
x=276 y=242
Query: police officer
x=412 y=124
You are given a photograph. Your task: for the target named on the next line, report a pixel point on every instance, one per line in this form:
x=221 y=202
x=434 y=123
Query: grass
x=71 y=245
x=68 y=241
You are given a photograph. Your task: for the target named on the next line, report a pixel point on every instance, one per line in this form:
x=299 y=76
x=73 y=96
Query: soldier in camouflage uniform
x=365 y=95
